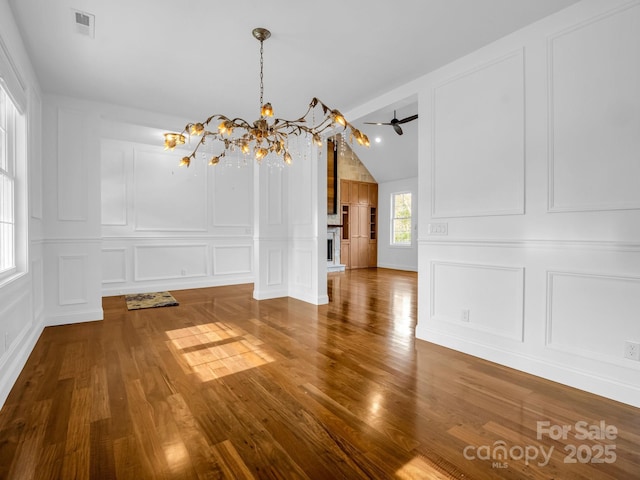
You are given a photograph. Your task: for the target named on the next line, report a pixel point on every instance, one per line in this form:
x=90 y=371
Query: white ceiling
x=196 y=58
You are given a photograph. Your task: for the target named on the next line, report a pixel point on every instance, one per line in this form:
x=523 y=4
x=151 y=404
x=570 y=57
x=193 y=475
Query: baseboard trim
x=11 y=371
x=146 y=287
x=74 y=317
x=582 y=380
x=406 y=268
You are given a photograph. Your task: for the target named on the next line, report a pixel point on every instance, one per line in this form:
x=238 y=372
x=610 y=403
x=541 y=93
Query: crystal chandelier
x=261 y=137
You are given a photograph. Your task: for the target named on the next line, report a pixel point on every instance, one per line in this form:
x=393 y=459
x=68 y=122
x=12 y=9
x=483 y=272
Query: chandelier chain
x=261 y=74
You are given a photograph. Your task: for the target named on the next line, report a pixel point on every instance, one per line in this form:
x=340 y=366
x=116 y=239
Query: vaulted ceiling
x=192 y=59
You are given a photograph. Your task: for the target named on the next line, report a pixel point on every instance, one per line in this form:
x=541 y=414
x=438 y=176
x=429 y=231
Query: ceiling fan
x=395 y=123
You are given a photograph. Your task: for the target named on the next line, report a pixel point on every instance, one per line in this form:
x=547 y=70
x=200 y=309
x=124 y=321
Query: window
x=401 y=218
x=7 y=183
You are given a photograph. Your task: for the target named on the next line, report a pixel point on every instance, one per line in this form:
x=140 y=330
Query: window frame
x=8 y=181
x=393 y=219
x=13 y=168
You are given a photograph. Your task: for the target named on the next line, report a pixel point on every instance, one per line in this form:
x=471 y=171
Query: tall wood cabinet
x=359 y=210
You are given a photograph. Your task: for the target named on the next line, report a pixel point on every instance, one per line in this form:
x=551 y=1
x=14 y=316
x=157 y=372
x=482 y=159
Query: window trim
x=16 y=131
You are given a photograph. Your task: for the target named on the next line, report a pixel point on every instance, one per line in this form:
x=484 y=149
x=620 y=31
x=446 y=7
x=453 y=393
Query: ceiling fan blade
x=396 y=127
x=408 y=119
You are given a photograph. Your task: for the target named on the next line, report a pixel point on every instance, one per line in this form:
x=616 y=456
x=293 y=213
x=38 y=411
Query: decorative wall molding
x=303 y=276
x=518 y=177
x=177 y=202
x=71 y=241
x=72 y=281
x=175 y=237
x=605 y=324
x=19 y=307
x=633 y=247
x=122 y=263
x=586 y=203
x=37 y=286
x=226 y=263
x=274 y=267
x=114 y=185
x=516 y=319
x=199 y=259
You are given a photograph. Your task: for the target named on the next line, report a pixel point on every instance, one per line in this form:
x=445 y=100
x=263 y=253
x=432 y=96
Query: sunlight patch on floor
x=215 y=350
x=420 y=468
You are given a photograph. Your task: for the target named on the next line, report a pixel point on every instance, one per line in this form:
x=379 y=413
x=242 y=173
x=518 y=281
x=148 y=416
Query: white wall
x=22 y=297
x=290 y=231
x=123 y=217
x=529 y=155
x=392 y=256
x=168 y=227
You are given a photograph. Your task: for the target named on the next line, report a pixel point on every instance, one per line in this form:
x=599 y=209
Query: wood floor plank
x=227 y=387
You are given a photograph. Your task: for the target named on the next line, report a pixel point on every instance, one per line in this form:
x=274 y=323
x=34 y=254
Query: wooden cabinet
x=359 y=243
x=345 y=190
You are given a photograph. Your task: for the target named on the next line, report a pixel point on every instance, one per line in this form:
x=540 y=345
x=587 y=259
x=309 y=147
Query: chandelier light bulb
x=267 y=110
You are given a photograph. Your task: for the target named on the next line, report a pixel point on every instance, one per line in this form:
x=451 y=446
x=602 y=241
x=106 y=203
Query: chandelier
x=262 y=137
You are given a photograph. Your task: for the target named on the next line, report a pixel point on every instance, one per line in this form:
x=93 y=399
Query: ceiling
x=193 y=59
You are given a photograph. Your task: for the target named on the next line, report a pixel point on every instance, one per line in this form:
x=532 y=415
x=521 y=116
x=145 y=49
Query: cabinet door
x=345 y=188
x=373 y=254
x=363 y=193
x=345 y=258
x=373 y=194
x=363 y=221
x=353 y=192
x=362 y=252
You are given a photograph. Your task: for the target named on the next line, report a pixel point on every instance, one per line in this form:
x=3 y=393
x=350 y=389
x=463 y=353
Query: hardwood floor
x=223 y=386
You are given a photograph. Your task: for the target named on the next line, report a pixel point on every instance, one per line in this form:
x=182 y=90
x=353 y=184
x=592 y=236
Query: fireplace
x=333 y=249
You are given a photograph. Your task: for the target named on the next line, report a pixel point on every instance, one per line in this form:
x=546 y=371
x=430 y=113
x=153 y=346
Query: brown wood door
x=359 y=226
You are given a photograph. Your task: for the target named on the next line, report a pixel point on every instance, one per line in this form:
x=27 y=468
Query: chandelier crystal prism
x=261 y=137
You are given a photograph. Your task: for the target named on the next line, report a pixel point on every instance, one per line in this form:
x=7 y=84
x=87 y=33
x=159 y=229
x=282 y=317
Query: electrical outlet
x=632 y=351
x=464 y=316
x=183 y=272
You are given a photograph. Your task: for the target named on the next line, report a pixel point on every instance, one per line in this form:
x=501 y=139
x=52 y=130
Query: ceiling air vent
x=84 y=23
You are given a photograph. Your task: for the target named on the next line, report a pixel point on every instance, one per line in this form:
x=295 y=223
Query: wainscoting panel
x=483 y=297
x=302 y=268
x=37 y=286
x=167 y=197
x=114 y=186
x=230 y=259
x=478 y=166
x=72 y=279
x=594 y=104
x=16 y=322
x=607 y=308
x=72 y=166
x=275 y=267
x=163 y=262
x=114 y=265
